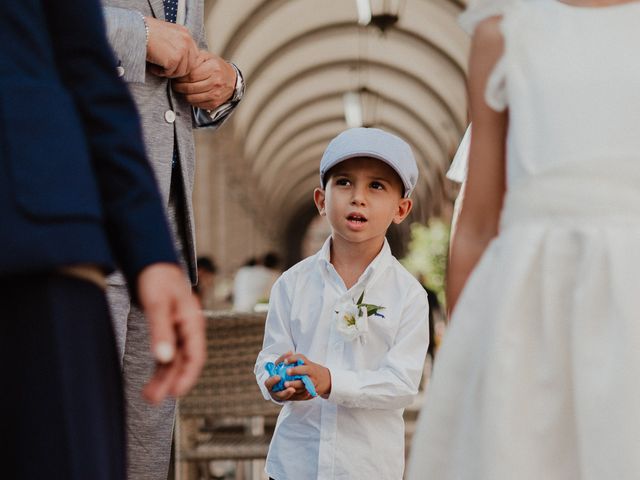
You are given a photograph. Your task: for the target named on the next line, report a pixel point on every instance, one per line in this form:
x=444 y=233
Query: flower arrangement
x=353 y=318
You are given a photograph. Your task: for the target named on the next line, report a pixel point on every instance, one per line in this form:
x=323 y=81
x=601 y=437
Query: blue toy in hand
x=281 y=370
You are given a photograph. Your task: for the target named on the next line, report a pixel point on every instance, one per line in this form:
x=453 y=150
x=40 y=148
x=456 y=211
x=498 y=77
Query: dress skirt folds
x=535 y=376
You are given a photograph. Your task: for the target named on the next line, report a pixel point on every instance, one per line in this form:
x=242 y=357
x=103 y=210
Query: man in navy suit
x=77 y=198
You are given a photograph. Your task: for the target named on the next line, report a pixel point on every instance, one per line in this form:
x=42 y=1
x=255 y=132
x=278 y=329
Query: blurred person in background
x=253 y=281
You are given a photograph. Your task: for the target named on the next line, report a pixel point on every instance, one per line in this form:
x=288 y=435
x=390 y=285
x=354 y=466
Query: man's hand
x=176 y=328
x=170 y=49
x=210 y=84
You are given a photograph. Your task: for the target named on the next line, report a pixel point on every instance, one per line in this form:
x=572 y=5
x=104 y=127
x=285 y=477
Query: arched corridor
x=299 y=58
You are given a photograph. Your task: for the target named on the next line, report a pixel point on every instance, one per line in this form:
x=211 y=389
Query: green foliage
x=427 y=254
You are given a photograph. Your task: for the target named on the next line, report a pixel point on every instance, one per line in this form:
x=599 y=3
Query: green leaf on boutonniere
x=372 y=309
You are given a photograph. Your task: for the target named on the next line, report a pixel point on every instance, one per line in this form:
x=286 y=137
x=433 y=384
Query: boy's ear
x=318 y=198
x=404 y=207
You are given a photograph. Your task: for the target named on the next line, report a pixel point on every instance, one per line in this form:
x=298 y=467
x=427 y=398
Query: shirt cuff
x=212 y=118
x=261 y=378
x=344 y=388
x=215 y=118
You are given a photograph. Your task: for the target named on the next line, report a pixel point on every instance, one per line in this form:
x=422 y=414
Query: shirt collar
x=373 y=270
x=324 y=255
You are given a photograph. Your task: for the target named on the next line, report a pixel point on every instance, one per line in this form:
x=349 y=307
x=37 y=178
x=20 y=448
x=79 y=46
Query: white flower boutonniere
x=353 y=318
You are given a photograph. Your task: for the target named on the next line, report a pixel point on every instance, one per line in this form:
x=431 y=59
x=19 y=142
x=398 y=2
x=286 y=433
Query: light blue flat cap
x=373 y=143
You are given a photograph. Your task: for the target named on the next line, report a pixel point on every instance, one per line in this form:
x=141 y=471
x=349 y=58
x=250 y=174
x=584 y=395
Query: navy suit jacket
x=75 y=186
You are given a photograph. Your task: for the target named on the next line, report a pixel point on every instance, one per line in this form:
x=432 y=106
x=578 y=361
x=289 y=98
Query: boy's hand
x=281 y=396
x=270 y=382
x=319 y=375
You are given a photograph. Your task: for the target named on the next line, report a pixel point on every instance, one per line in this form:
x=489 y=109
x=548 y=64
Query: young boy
x=357 y=319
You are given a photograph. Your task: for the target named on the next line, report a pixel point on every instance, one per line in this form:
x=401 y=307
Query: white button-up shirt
x=358 y=432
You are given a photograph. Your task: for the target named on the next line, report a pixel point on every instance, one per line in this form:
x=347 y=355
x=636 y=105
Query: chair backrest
x=227 y=386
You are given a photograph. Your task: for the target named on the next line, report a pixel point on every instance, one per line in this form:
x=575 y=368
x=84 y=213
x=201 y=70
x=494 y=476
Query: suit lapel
x=157 y=7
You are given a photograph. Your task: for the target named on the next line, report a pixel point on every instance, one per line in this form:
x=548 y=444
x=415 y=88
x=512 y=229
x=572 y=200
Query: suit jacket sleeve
x=134 y=217
x=128 y=39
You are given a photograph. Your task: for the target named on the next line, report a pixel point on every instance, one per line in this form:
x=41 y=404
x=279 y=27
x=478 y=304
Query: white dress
x=539 y=373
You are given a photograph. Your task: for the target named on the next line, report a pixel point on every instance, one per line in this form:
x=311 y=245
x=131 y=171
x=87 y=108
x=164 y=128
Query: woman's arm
x=485 y=186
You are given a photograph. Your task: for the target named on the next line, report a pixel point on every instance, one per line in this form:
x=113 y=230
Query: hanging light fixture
x=360 y=107
x=382 y=14
x=364 y=12
x=352 y=103
x=369 y=101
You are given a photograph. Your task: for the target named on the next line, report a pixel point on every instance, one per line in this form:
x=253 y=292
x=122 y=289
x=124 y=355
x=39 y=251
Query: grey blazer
x=161 y=110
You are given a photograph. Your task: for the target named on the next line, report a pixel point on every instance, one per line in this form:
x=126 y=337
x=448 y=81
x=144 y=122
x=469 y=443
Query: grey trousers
x=149 y=428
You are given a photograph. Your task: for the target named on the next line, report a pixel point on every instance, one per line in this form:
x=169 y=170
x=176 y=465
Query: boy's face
x=362 y=197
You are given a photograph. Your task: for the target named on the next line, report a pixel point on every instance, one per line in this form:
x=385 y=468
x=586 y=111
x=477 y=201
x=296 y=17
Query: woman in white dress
x=539 y=374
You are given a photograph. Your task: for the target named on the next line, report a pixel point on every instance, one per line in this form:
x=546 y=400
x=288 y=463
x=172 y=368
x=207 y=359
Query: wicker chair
x=224 y=416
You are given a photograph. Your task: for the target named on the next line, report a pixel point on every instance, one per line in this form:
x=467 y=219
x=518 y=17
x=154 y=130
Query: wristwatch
x=218 y=115
x=238 y=91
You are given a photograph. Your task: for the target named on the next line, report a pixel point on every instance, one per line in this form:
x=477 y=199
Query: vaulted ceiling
x=299 y=57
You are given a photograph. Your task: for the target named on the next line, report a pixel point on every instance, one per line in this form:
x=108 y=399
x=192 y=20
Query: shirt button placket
x=329 y=415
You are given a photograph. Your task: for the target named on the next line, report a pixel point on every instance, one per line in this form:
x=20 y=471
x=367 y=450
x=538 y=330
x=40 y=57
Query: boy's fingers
x=297 y=356
x=301 y=396
x=301 y=370
x=297 y=385
x=271 y=381
x=284 y=394
x=280 y=396
x=293 y=357
x=282 y=357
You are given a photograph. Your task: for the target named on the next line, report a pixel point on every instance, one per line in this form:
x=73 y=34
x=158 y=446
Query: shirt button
x=170 y=116
x=120 y=71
